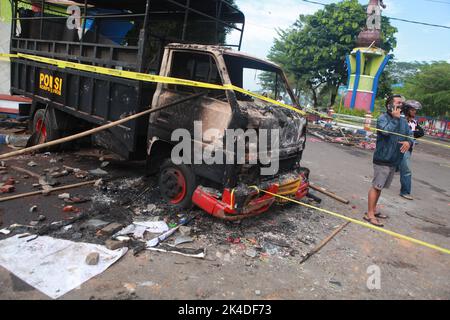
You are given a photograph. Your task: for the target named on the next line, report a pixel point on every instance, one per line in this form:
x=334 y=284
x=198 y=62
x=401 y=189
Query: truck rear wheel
x=44 y=129
x=177 y=183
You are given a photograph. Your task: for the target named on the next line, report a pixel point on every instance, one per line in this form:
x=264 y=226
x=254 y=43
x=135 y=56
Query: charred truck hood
x=290 y=124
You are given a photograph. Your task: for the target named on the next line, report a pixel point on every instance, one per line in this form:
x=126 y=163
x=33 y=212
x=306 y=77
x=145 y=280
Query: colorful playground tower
x=365 y=66
x=366 y=63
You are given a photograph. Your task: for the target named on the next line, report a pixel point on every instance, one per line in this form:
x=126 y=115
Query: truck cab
x=226 y=188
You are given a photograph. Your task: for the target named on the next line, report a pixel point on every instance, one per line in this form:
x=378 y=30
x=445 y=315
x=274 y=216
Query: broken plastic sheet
x=155 y=241
x=138 y=228
x=54 y=266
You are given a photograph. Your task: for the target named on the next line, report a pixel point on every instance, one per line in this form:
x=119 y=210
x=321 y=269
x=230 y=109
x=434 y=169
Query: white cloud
x=263 y=18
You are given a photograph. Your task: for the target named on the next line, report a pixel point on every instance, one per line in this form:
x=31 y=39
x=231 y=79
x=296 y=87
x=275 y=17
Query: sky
x=414 y=42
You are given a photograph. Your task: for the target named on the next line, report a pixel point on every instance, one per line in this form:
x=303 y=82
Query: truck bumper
x=245 y=201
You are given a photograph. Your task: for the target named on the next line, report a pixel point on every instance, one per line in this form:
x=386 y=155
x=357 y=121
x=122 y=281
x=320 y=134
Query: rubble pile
x=349 y=137
x=123 y=210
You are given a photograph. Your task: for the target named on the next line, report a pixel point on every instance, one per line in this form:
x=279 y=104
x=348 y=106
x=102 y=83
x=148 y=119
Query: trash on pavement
x=138 y=228
x=182 y=239
x=5 y=231
x=188 y=252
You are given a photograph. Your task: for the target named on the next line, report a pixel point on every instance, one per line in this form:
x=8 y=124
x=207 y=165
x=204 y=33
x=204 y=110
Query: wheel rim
x=173 y=185
x=41 y=130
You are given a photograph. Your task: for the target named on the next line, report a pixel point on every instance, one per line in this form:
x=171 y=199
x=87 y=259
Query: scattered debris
x=81 y=174
x=114 y=244
x=234 y=240
x=251 y=253
x=64 y=196
x=47 y=181
x=27 y=172
x=182 y=239
x=153 y=226
x=324 y=242
x=98 y=172
x=70 y=209
x=92 y=258
x=41 y=218
x=98 y=183
x=111 y=228
x=336 y=134
x=77 y=236
x=188 y=252
x=32 y=164
x=7 y=189
x=5 y=231
x=185 y=231
x=155 y=241
x=17 y=140
x=328 y=193
x=62 y=173
x=104 y=164
x=95 y=223
x=335 y=282
x=75 y=200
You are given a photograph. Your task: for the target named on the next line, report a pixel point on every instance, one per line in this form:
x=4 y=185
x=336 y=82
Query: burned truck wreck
x=157 y=37
x=224 y=188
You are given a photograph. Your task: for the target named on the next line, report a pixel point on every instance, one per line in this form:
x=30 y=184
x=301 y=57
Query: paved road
x=338 y=271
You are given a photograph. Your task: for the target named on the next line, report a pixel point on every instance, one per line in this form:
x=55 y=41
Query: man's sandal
x=381 y=216
x=373 y=221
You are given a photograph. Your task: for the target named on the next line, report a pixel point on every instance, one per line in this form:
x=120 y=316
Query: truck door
x=212 y=109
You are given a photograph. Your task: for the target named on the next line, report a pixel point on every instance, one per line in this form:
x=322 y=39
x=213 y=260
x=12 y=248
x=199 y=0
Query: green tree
x=430 y=86
x=399 y=71
x=315 y=47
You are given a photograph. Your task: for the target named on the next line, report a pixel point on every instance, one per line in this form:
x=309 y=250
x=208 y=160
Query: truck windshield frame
x=275 y=84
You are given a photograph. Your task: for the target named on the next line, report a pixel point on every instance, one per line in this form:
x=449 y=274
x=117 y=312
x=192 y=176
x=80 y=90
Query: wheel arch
x=158 y=150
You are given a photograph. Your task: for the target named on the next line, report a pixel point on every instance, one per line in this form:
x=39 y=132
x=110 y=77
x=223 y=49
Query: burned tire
x=43 y=127
x=177 y=183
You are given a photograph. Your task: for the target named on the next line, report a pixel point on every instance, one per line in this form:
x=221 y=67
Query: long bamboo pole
x=95 y=130
x=34 y=193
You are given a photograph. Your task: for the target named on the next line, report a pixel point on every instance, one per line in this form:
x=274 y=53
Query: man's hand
x=405 y=146
x=396 y=112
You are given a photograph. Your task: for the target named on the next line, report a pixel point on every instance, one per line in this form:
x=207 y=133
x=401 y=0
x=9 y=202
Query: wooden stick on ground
x=330 y=194
x=28 y=172
x=70 y=186
x=324 y=242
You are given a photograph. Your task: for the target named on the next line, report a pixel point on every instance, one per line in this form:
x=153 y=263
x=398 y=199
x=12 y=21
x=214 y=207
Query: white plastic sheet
x=54 y=266
x=138 y=228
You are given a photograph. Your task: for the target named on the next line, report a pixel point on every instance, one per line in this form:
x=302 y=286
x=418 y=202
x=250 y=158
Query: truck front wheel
x=177 y=183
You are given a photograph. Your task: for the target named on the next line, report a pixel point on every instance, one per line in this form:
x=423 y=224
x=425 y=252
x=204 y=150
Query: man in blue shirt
x=392 y=143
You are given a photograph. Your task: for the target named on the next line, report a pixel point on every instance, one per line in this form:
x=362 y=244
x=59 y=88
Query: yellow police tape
x=170 y=80
x=367 y=225
x=146 y=77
